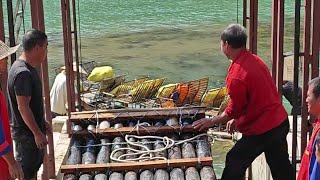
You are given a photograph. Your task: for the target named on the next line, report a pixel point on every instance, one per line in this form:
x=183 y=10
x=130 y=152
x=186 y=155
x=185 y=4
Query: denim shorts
x=28 y=155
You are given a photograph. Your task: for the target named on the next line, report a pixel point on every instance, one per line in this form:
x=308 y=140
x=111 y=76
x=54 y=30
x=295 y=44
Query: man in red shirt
x=254 y=109
x=9 y=168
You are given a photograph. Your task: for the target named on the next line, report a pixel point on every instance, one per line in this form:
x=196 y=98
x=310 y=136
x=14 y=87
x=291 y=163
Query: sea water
x=176 y=39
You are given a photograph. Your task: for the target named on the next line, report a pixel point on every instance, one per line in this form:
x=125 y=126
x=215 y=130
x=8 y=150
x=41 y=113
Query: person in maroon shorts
x=255 y=110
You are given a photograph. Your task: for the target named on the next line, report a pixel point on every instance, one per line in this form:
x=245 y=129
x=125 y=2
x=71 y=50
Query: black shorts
x=28 y=155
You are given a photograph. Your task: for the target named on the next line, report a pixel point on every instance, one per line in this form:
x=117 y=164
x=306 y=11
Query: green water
x=178 y=39
x=219 y=151
x=175 y=39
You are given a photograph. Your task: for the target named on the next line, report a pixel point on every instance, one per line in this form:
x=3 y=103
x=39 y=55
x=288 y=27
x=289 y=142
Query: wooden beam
x=124 y=114
x=189 y=162
x=139 y=131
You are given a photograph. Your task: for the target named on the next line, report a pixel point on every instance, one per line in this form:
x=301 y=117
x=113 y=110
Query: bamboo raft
x=138 y=144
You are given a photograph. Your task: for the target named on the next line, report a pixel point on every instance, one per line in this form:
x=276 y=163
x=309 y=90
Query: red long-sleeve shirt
x=4 y=173
x=254 y=101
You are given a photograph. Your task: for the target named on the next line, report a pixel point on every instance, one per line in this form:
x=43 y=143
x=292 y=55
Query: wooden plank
x=140 y=110
x=139 y=131
x=218 y=134
x=189 y=162
x=61 y=151
x=124 y=114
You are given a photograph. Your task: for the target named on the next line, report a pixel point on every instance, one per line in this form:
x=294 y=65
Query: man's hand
x=203 y=124
x=231 y=126
x=41 y=140
x=14 y=167
x=48 y=128
x=15 y=170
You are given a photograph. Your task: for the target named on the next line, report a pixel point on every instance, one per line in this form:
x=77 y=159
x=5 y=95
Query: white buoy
x=172 y=121
x=77 y=128
x=104 y=125
x=91 y=127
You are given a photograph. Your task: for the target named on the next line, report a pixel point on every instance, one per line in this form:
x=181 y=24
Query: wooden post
x=37 y=17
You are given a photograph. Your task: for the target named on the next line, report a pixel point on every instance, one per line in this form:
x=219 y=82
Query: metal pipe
x=46 y=89
x=37 y=17
x=244 y=14
x=41 y=24
x=66 y=57
x=274 y=37
x=34 y=13
x=305 y=73
x=70 y=59
x=295 y=83
x=76 y=52
x=315 y=39
x=253 y=26
x=280 y=56
x=1 y=23
x=4 y=74
x=11 y=28
x=253 y=45
x=35 y=25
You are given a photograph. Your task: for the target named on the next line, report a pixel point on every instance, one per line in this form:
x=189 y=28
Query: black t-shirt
x=23 y=80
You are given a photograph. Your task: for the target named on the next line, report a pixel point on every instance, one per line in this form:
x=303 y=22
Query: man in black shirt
x=26 y=103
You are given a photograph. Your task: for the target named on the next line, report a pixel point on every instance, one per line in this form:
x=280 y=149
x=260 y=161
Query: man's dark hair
x=235 y=35
x=315 y=83
x=32 y=38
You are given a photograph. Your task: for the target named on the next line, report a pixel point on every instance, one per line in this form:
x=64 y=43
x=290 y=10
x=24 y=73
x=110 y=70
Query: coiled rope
x=146 y=153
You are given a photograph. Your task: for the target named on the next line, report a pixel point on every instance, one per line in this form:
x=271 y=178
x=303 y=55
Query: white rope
x=145 y=153
x=97 y=124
